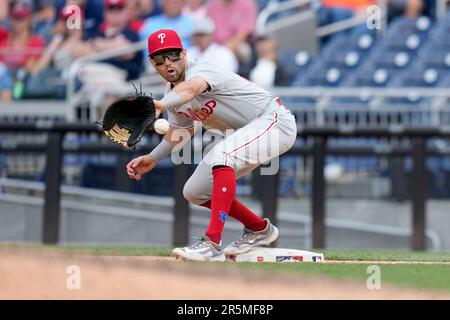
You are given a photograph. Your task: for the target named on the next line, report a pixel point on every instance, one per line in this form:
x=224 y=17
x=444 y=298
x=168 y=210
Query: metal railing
x=318 y=149
x=77 y=64
x=315 y=112
x=323 y=106
x=152 y=82
x=320 y=109
x=156 y=208
x=273 y=8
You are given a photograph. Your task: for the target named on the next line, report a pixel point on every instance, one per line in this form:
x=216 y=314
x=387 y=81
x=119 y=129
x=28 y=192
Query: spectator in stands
x=406 y=8
x=91 y=11
x=148 y=8
x=5 y=77
x=132 y=6
x=20 y=49
x=204 y=47
x=235 y=22
x=3 y=34
x=172 y=18
x=4 y=10
x=332 y=11
x=43 y=15
x=117 y=34
x=429 y=8
x=136 y=21
x=268 y=72
x=44 y=18
x=194 y=9
x=43 y=12
x=65 y=47
x=5 y=83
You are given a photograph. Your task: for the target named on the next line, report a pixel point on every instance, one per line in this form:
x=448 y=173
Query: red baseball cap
x=66 y=12
x=3 y=34
x=21 y=10
x=163 y=40
x=69 y=10
x=110 y=3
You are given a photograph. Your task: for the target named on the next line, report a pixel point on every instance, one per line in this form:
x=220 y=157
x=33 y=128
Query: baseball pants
x=261 y=140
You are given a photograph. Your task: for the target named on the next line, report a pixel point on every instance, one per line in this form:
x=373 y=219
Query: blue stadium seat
x=391 y=60
x=434 y=56
x=299 y=101
x=361 y=43
x=406 y=35
x=343 y=59
x=411 y=42
x=417 y=75
x=295 y=62
x=403 y=27
x=444 y=81
x=440 y=35
x=440 y=38
x=368 y=75
x=320 y=75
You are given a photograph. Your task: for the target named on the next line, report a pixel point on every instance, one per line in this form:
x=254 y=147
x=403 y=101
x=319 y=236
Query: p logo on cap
x=163 y=40
x=161 y=36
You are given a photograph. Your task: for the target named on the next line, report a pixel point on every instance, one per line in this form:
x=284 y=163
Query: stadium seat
x=403 y=27
x=411 y=42
x=320 y=75
x=361 y=44
x=444 y=81
x=368 y=75
x=295 y=62
x=391 y=60
x=417 y=75
x=436 y=57
x=344 y=59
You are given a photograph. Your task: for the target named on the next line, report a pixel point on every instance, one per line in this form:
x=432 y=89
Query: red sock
x=244 y=215
x=223 y=191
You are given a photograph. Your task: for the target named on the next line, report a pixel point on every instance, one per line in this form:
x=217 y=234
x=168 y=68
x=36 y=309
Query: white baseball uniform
x=264 y=128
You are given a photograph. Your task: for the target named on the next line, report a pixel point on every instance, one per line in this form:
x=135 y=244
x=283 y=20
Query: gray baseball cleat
x=251 y=239
x=203 y=250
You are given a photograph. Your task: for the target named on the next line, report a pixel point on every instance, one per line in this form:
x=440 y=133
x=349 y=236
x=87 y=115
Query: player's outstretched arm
x=182 y=93
x=139 y=166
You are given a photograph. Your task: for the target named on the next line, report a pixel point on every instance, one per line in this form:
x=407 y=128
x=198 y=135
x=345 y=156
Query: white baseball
x=161 y=126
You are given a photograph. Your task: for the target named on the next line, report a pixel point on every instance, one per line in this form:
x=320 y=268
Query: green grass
x=384 y=255
x=405 y=275
x=356 y=255
x=117 y=251
x=100 y=249
x=436 y=276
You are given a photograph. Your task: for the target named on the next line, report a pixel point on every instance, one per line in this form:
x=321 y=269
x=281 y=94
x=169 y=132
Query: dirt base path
x=26 y=274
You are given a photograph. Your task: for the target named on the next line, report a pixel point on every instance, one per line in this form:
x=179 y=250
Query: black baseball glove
x=126 y=119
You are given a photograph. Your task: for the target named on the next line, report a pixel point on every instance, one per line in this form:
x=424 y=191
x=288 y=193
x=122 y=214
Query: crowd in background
x=40 y=39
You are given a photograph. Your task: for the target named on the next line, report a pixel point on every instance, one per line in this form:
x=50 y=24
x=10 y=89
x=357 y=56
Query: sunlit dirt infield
x=43 y=274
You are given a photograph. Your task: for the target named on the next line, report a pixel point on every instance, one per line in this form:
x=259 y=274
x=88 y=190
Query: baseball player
x=199 y=91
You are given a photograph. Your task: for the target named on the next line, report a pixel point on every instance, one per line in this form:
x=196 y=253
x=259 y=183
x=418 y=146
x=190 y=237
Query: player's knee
x=189 y=195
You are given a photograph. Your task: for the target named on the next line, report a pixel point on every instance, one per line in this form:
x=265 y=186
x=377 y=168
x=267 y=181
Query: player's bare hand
x=159 y=107
x=139 y=166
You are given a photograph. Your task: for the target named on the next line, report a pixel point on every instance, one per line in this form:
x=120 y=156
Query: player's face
x=170 y=64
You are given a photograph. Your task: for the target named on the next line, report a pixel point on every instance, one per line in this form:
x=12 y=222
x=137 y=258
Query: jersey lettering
x=200 y=115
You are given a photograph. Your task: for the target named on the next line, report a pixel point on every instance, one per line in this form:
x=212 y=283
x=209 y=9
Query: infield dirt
x=37 y=274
